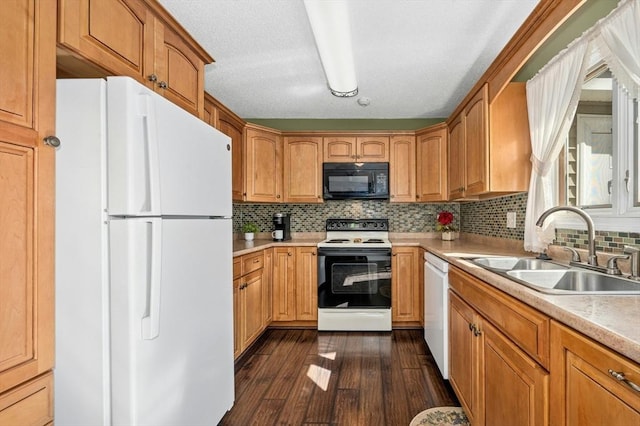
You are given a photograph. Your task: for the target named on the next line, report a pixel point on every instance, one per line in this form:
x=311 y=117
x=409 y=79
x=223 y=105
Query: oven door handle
x=364 y=251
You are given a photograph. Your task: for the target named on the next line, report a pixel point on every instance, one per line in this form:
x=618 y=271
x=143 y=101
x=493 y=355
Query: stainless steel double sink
x=554 y=278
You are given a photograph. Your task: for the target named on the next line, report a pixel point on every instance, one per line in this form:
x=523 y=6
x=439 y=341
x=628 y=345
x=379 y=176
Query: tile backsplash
x=411 y=217
x=487 y=218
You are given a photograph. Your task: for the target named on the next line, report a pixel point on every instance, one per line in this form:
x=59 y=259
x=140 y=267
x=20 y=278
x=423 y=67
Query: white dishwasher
x=436 y=310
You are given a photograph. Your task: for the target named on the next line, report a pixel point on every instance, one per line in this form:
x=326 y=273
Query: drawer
x=252 y=262
x=28 y=404
x=525 y=326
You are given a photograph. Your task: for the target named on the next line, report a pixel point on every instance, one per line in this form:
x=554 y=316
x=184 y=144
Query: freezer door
x=161 y=159
x=171 y=321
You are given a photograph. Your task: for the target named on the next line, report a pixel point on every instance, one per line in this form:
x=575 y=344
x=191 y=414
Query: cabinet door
x=402 y=169
x=476 y=123
x=233 y=128
x=237 y=318
x=306 y=284
x=263 y=153
x=27 y=181
x=516 y=389
x=372 y=149
x=302 y=170
x=284 y=280
x=18 y=74
x=583 y=385
x=339 y=149
x=267 y=288
x=251 y=307
x=456 y=166
x=405 y=281
x=463 y=357
x=116 y=34
x=431 y=153
x=178 y=69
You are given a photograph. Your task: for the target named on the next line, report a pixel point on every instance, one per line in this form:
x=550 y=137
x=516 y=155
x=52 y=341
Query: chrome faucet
x=592 y=259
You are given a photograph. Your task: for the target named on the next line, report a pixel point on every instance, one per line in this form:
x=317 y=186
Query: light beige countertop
x=613 y=321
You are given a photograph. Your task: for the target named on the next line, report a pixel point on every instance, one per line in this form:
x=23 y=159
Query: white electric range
x=354 y=275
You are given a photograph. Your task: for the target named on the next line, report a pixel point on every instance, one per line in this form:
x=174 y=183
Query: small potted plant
x=249 y=230
x=445 y=225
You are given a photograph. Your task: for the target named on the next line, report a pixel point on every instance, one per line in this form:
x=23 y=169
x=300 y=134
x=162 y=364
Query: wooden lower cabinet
x=249 y=292
x=583 y=385
x=495 y=380
x=406 y=270
x=295 y=284
x=28 y=404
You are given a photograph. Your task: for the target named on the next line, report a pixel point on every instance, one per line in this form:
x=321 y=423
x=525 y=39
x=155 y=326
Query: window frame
x=623 y=215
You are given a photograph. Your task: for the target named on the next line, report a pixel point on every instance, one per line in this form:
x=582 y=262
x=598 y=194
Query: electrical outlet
x=511 y=219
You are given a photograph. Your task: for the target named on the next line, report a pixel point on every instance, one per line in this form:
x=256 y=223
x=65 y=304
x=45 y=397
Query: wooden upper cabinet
x=490 y=145
x=134 y=38
x=431 y=168
x=476 y=124
x=372 y=149
x=402 y=168
x=116 y=35
x=302 y=169
x=223 y=119
x=349 y=149
x=456 y=163
x=27 y=104
x=263 y=168
x=178 y=69
x=339 y=149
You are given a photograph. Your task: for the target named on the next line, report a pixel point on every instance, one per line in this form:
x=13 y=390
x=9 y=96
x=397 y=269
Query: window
x=598 y=166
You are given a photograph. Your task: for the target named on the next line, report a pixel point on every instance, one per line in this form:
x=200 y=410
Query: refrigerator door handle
x=151 y=318
x=152 y=176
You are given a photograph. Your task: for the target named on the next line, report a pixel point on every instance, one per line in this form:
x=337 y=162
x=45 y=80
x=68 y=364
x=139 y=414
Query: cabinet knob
x=288 y=253
x=163 y=85
x=417 y=197
x=52 y=141
x=313 y=253
x=278 y=196
x=152 y=78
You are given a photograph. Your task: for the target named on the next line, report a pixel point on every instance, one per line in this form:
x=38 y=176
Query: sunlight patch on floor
x=319 y=375
x=329 y=355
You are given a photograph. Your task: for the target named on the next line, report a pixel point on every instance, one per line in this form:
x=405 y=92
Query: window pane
x=636 y=156
x=589 y=150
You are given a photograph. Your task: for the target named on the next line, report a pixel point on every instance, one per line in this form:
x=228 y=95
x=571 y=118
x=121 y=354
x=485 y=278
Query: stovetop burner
x=357 y=232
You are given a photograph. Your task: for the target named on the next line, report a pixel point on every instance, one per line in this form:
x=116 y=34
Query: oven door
x=354 y=278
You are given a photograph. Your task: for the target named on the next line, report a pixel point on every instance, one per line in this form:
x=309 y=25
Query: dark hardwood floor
x=307 y=377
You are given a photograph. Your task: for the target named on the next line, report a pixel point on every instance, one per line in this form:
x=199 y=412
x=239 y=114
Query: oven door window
x=354 y=280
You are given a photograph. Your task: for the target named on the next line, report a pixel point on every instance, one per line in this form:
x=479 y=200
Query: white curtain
x=552 y=99
x=618 y=42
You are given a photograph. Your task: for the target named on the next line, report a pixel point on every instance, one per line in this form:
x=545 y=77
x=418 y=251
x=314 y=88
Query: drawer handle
x=256 y=261
x=620 y=377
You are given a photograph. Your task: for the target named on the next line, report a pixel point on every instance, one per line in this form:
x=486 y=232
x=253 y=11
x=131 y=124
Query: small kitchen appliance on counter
x=354 y=276
x=281 y=227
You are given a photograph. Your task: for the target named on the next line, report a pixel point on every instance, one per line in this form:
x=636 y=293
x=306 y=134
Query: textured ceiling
x=413 y=58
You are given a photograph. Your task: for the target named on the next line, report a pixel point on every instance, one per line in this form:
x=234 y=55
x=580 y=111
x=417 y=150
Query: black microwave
x=359 y=181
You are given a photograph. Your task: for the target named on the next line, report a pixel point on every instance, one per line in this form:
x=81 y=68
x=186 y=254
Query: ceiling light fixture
x=330 y=24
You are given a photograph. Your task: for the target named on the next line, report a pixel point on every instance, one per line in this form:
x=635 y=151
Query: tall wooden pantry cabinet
x=27 y=102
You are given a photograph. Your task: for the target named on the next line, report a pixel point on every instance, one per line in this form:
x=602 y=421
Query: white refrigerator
x=144 y=297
